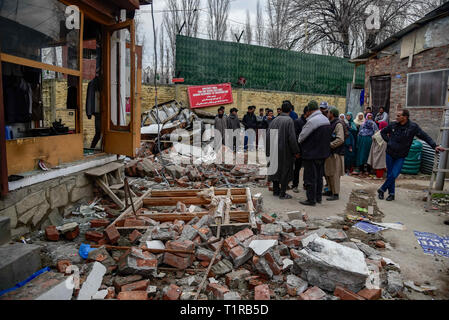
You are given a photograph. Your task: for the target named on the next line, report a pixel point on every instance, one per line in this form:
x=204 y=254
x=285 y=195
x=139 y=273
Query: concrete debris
x=326 y=264
x=394 y=282
x=93 y=282
x=159 y=259
x=261 y=246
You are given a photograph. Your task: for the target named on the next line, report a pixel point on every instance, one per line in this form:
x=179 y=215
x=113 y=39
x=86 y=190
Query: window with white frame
x=427 y=89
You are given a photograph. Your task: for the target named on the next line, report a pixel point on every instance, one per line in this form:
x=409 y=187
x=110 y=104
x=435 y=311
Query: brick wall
x=57 y=90
x=433 y=59
x=242 y=99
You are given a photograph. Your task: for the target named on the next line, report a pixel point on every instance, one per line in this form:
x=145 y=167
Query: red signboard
x=210 y=95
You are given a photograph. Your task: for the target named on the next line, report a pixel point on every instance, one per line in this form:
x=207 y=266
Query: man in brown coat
x=334 y=166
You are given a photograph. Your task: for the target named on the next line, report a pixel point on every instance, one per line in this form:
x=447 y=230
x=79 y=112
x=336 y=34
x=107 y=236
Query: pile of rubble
x=298 y=258
x=197 y=176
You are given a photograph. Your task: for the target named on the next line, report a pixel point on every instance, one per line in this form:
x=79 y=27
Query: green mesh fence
x=201 y=61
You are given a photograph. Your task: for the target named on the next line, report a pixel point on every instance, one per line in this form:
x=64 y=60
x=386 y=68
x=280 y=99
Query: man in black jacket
x=315 y=140
x=250 y=122
x=399 y=137
x=299 y=124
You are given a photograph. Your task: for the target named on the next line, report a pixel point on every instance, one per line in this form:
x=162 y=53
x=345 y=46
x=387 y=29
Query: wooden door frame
x=3 y=164
x=124 y=137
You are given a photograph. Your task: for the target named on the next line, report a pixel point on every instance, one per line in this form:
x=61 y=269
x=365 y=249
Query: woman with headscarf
x=350 y=143
x=359 y=120
x=364 y=141
x=377 y=156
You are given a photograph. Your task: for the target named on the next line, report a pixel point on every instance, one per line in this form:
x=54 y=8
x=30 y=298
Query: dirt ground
x=408 y=208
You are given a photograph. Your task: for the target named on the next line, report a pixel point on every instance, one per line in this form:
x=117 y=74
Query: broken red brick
x=253 y=281
x=97 y=223
x=177 y=261
x=236 y=252
x=272 y=263
x=217 y=290
x=370 y=294
x=293 y=242
x=129 y=222
x=111 y=293
x=266 y=218
x=243 y=234
x=132 y=295
x=380 y=244
x=70 y=235
x=112 y=234
x=204 y=264
x=185 y=245
x=51 y=233
x=262 y=292
x=62 y=265
x=93 y=236
x=119 y=282
x=229 y=243
x=345 y=228
x=136 y=286
x=172 y=293
x=313 y=293
x=346 y=294
x=133 y=236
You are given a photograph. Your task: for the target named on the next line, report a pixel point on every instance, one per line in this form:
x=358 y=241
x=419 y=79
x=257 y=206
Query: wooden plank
x=227 y=217
x=203 y=281
x=143 y=249
x=189 y=216
x=250 y=208
x=117 y=186
x=79 y=108
x=3 y=163
x=36 y=64
x=99 y=171
x=172 y=201
x=194 y=192
x=129 y=210
x=109 y=192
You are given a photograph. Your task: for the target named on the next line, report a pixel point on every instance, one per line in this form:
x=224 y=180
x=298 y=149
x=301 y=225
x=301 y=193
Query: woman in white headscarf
x=359 y=119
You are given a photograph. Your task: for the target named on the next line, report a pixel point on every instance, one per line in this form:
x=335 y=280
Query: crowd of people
x=328 y=145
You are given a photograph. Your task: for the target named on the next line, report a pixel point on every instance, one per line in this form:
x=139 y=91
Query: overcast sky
x=237 y=17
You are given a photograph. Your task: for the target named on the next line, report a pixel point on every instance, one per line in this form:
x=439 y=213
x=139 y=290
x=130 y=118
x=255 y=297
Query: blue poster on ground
x=368 y=227
x=432 y=243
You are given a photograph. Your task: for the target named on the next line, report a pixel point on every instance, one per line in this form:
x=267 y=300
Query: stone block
x=327 y=264
x=298 y=225
x=59 y=197
x=204 y=254
x=81 y=180
x=78 y=193
x=55 y=217
x=28 y=216
x=11 y=213
x=335 y=235
x=5 y=230
x=30 y=201
x=17 y=262
x=40 y=214
x=188 y=233
x=271 y=229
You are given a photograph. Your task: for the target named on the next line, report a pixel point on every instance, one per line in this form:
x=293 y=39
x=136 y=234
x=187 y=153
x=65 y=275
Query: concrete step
x=5 y=230
x=18 y=261
x=47 y=286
